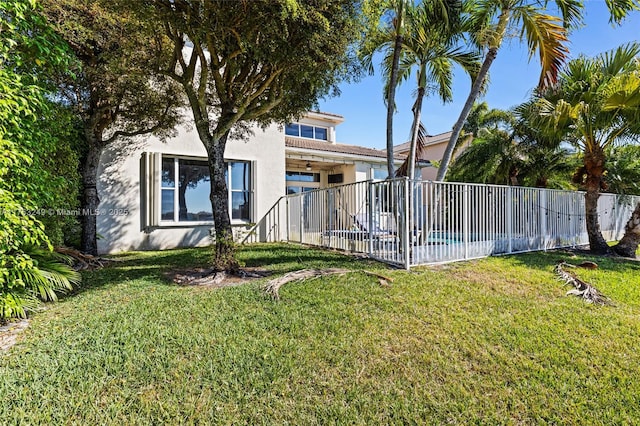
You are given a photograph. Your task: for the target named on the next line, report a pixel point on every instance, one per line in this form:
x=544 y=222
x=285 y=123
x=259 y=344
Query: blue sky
x=512 y=79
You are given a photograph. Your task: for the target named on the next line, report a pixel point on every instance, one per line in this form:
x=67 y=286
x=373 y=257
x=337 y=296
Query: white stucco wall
x=121 y=225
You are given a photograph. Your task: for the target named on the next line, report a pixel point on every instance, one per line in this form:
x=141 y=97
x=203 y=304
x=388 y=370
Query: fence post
x=288 y=219
x=509 y=222
x=330 y=209
x=407 y=243
x=370 y=204
x=465 y=219
x=542 y=217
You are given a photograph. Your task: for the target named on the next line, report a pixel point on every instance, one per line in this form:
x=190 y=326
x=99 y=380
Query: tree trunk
x=594 y=166
x=391 y=103
x=542 y=182
x=90 y=199
x=457 y=128
x=417 y=111
x=628 y=245
x=224 y=255
x=501 y=28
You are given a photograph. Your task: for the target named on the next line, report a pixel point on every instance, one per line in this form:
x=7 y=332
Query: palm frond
x=621 y=59
x=619 y=9
x=545 y=35
x=571 y=11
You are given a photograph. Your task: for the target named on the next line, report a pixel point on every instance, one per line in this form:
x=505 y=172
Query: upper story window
x=186 y=186
x=306 y=131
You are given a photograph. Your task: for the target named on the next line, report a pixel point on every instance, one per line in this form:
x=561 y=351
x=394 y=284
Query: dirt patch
x=208 y=278
x=9 y=333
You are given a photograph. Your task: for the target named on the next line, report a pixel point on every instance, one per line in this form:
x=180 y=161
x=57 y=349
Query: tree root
x=274 y=285
x=83 y=261
x=582 y=289
x=211 y=278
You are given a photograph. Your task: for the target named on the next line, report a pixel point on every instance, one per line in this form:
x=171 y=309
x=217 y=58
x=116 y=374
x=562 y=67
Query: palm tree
x=432 y=47
x=596 y=104
x=389 y=39
x=544 y=34
x=548 y=164
x=509 y=150
x=493 y=157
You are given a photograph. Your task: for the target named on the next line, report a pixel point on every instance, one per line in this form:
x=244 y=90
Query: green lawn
x=492 y=341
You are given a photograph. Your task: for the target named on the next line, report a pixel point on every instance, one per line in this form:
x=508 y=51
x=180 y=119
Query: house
x=434 y=148
x=155 y=194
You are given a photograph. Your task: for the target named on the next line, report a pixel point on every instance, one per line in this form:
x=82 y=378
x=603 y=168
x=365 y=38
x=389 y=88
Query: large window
x=306 y=131
x=186 y=187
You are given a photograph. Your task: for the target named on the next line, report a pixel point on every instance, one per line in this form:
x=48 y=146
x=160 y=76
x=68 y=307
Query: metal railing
x=410 y=223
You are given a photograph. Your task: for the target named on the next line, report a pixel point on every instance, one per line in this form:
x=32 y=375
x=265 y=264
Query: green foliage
x=26 y=174
x=623 y=170
x=596 y=103
x=508 y=150
x=57 y=157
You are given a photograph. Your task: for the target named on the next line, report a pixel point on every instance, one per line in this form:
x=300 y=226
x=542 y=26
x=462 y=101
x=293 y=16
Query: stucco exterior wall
x=122 y=194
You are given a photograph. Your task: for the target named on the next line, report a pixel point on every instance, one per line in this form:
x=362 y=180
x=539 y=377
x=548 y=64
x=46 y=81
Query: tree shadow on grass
x=142 y=265
x=283 y=258
x=154 y=266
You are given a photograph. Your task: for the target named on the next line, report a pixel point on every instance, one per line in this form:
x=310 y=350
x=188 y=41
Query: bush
x=29 y=270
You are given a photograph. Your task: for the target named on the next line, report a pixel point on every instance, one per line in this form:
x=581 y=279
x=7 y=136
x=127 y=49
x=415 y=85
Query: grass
x=493 y=341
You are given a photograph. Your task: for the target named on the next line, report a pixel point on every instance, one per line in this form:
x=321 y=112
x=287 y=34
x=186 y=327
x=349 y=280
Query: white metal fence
x=411 y=223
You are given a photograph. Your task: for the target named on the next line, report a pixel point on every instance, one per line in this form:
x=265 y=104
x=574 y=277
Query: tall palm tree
x=596 y=104
x=545 y=34
x=389 y=39
x=432 y=47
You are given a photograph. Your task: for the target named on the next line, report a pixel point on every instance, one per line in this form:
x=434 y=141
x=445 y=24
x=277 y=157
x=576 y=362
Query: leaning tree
x=251 y=62
x=544 y=34
x=113 y=88
x=432 y=45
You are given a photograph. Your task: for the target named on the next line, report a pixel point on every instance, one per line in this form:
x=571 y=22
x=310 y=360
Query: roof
x=431 y=140
x=336 y=147
x=328 y=113
x=324 y=116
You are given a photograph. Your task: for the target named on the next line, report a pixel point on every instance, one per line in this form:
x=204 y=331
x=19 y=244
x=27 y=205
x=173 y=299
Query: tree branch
x=157 y=126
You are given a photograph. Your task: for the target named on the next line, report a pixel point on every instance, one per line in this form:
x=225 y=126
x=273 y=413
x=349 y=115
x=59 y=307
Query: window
x=298 y=182
x=306 y=131
x=298 y=189
x=239 y=190
x=302 y=177
x=185 y=189
x=379 y=174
